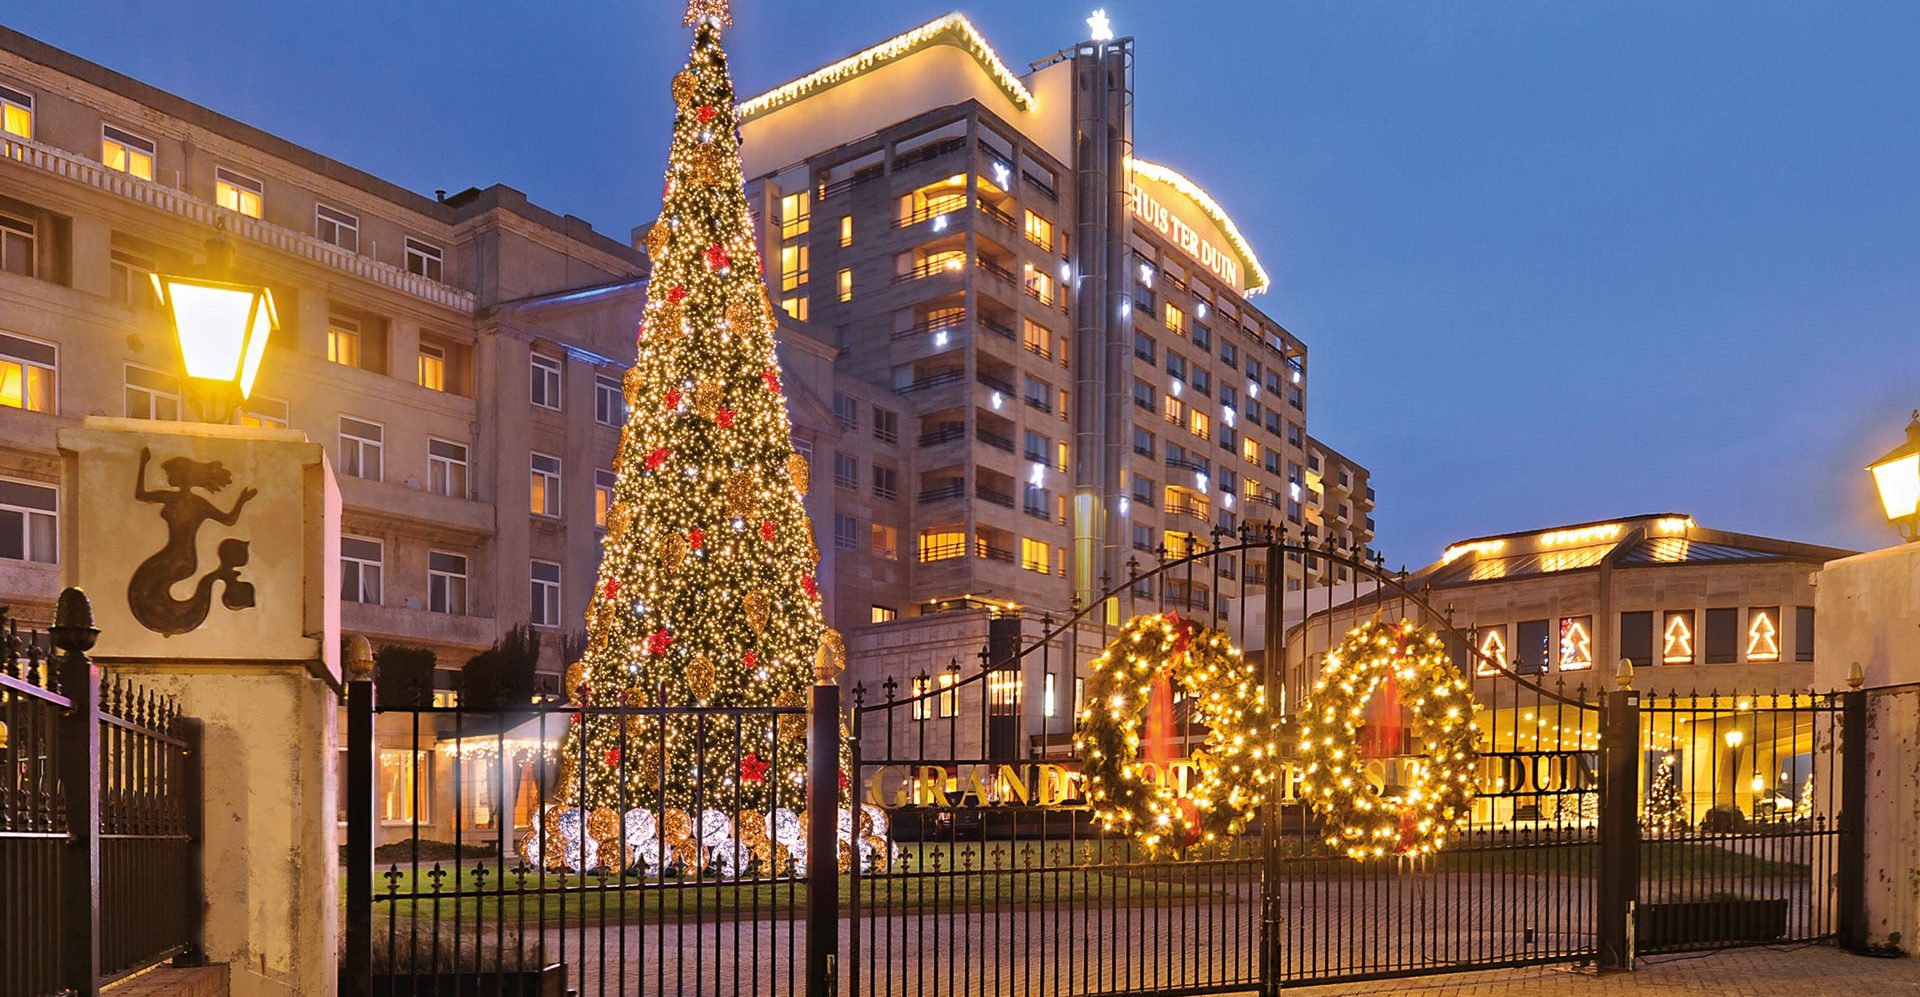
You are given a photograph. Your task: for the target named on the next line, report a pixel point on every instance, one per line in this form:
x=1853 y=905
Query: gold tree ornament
x=657 y=238
x=700 y=678
x=671 y=549
x=707 y=165
x=576 y=679
x=798 y=471
x=633 y=385
x=741 y=496
x=686 y=87
x=707 y=396
x=1333 y=779
x=603 y=826
x=758 y=607
x=742 y=315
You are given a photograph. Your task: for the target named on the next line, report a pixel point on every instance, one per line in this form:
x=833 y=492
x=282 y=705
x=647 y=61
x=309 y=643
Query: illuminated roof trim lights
x=953 y=29
x=1214 y=213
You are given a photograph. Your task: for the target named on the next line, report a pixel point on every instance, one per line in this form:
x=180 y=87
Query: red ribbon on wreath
x=1160 y=701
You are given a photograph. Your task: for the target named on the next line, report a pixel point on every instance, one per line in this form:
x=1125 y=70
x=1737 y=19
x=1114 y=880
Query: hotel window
x=237 y=192
x=1199 y=424
x=360 y=561
x=151 y=394
x=1293 y=433
x=846 y=231
x=1202 y=338
x=1039 y=284
x=431 y=368
x=27 y=373
x=1722 y=637
x=544 y=382
x=126 y=152
x=795 y=306
x=1174 y=412
x=793 y=267
x=949 y=696
x=479 y=779
x=1038 y=339
x=1636 y=638
x=846 y=285
x=886 y=542
x=1039 y=230
x=1250 y=450
x=1039 y=394
x=846 y=410
x=1676 y=637
x=1763 y=633
x=1176 y=366
x=1034 y=555
x=886 y=425
x=942 y=543
x=1229 y=355
x=446 y=468
x=794 y=215
x=1202 y=382
x=1803 y=633
x=424 y=259
x=29 y=522
x=265 y=413
x=544 y=485
x=846 y=470
x=1060 y=455
x=130 y=283
x=883 y=614
x=361 y=448
x=1530 y=648
x=543 y=597
x=609 y=404
x=16 y=112
x=922 y=707
x=603 y=482
x=1176 y=319
x=1143 y=491
x=343 y=341
x=1142 y=442
x=846 y=532
x=336 y=228
x=1143 y=394
x=403 y=786
x=1049 y=689
x=886 y=482
x=446 y=583
x=1035 y=446
x=1004 y=689
x=1143 y=346
x=1576 y=643
x=18 y=239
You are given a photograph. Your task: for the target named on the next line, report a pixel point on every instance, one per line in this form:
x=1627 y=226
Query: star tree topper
x=708 y=10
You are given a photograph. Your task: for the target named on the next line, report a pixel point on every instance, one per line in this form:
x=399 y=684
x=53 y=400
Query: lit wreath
x=1332 y=773
x=1228 y=700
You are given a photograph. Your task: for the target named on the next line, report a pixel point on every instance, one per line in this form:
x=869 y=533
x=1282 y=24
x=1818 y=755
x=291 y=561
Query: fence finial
x=1856 y=676
x=73 y=628
x=1623 y=675
x=359 y=657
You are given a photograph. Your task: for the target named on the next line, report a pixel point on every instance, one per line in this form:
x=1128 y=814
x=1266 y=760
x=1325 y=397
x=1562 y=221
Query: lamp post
x=222 y=327
x=1897 y=477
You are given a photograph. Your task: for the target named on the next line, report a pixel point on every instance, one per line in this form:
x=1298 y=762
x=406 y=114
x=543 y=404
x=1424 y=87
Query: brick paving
x=200 y=981
x=1762 y=972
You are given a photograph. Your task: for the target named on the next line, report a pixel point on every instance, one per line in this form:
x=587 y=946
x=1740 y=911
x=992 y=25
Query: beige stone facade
x=449 y=353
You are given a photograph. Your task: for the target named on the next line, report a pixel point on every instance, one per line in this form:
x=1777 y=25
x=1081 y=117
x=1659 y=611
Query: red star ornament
x=724 y=417
x=813 y=589
x=613 y=758
x=659 y=641
x=772 y=378
x=753 y=769
x=750 y=660
x=673 y=399
x=656 y=457
x=706 y=113
x=766 y=531
x=677 y=293
x=696 y=537
x=717 y=257
x=613 y=589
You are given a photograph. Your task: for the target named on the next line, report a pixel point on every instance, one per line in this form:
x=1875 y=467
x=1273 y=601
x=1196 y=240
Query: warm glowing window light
x=1576 y=644
x=1677 y=646
x=1493 y=647
x=1763 y=636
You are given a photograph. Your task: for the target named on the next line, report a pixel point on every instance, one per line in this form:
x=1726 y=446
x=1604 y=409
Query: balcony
x=930 y=381
x=986 y=493
x=861 y=177
x=996 y=213
x=993 y=382
x=993 y=439
x=991 y=552
x=930 y=326
x=1040 y=185
x=999 y=270
x=929 y=152
x=932 y=268
x=1188 y=509
x=997 y=327
x=942 y=492
x=945 y=433
x=1186 y=463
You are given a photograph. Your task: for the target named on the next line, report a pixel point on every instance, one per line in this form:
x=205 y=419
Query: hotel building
x=459 y=357
x=1046 y=357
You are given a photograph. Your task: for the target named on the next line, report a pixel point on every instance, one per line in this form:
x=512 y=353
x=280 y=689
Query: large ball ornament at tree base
x=1137 y=797
x=1446 y=732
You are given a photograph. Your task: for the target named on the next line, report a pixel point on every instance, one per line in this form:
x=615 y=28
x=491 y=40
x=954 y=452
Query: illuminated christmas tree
x=706 y=594
x=1664 y=811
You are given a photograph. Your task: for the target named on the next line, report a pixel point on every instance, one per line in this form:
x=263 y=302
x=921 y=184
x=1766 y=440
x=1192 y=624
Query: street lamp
x=1897 y=476
x=223 y=328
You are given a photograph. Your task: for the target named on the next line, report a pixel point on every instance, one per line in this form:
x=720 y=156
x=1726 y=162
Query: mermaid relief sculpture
x=150 y=593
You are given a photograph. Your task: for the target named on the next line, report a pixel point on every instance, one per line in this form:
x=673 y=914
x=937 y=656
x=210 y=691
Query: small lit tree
x=1664 y=810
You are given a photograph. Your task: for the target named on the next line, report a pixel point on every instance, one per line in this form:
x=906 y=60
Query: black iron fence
x=962 y=858
x=100 y=809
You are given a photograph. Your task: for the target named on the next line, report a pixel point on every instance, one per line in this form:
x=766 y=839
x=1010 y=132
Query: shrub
x=419 y=945
x=403 y=676
x=1723 y=820
x=502 y=676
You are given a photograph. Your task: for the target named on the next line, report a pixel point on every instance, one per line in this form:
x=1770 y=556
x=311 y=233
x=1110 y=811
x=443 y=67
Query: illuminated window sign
x=1576 y=643
x=1677 y=637
x=1763 y=633
x=1493 y=647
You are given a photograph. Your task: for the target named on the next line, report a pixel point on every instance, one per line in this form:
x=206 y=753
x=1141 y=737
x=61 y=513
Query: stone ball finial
x=359 y=657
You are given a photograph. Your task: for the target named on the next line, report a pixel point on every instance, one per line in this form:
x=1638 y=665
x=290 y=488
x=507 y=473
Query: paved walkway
x=1767 y=972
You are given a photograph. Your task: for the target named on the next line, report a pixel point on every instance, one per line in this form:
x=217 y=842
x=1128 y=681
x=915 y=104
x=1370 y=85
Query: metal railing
x=942 y=492
x=931 y=381
x=945 y=433
x=100 y=877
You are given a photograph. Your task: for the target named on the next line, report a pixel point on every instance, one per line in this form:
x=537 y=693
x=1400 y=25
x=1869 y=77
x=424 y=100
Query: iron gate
x=965 y=864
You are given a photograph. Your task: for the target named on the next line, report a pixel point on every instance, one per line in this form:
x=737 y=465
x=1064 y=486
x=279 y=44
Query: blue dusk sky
x=1553 y=262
